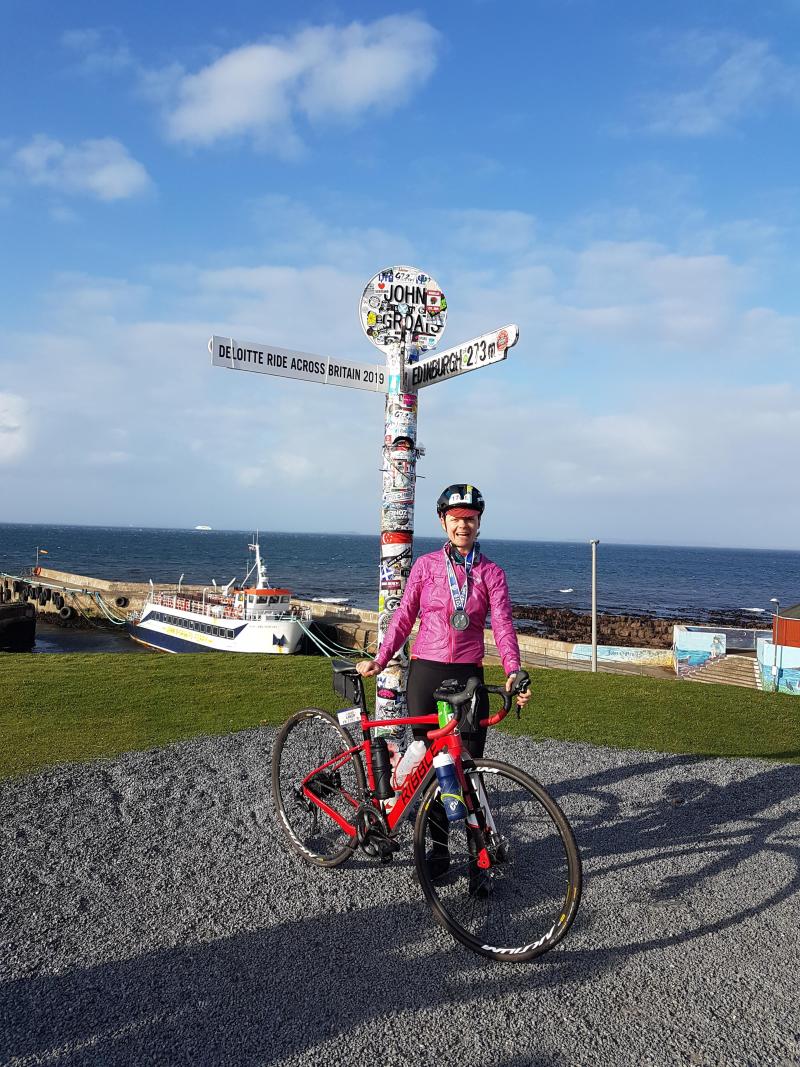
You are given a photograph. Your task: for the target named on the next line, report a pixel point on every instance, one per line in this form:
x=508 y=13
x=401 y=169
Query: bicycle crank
x=372 y=833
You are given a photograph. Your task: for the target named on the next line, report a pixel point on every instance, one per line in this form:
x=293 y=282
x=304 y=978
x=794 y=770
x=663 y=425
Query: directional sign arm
x=286 y=363
x=471 y=355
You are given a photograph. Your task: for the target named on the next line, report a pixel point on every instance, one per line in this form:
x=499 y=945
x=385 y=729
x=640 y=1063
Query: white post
x=594 y=543
x=397 y=528
x=403 y=312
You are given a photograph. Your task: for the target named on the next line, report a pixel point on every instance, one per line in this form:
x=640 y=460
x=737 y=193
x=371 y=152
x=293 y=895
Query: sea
x=654 y=579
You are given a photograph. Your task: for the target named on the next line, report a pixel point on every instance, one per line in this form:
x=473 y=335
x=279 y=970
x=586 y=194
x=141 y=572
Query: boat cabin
x=258 y=602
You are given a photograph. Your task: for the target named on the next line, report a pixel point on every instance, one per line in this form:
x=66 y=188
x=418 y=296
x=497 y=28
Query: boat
x=255 y=617
x=202 y=528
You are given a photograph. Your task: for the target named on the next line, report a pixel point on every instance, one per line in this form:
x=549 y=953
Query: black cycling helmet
x=460 y=496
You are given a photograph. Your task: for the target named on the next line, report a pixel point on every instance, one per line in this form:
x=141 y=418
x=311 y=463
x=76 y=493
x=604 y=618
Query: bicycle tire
x=308 y=739
x=525 y=903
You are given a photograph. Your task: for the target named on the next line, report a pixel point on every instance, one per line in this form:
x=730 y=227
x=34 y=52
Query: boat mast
x=261 y=569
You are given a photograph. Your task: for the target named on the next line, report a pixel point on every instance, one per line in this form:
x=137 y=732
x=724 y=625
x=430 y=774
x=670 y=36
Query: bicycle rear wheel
x=309 y=739
x=526 y=901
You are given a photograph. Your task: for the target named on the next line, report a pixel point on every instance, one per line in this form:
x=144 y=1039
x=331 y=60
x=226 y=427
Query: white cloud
x=320 y=73
x=633 y=431
x=78 y=297
x=639 y=298
x=740 y=76
x=293 y=228
x=101 y=168
x=644 y=298
x=14 y=427
x=689 y=465
x=493 y=233
x=99 y=51
x=106 y=459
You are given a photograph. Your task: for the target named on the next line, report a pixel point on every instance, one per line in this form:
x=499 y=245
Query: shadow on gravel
x=687 y=845
x=259 y=997
x=664 y=859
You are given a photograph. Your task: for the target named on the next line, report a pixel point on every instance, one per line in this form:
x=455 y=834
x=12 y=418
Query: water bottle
x=451 y=796
x=381 y=769
x=445 y=710
x=411 y=757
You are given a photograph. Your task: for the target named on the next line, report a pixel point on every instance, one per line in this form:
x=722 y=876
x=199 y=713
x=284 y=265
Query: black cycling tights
x=424 y=678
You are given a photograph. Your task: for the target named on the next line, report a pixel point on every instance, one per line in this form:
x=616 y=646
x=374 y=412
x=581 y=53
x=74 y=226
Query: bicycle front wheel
x=526 y=901
x=305 y=742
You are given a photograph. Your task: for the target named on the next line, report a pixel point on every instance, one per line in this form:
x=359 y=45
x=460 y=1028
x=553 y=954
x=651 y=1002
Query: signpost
x=403 y=312
x=267 y=359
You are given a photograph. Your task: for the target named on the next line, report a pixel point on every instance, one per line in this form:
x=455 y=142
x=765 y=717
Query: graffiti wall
x=779 y=666
x=644 y=657
x=693 y=647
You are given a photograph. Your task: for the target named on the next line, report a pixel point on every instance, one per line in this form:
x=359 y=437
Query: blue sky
x=620 y=179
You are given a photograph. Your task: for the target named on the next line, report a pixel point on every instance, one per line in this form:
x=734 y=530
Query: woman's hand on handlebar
x=367 y=667
x=522 y=697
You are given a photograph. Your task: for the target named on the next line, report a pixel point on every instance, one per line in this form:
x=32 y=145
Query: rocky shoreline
x=630 y=631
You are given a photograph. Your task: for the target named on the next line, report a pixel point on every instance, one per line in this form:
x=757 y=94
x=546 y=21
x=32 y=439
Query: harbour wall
x=355 y=629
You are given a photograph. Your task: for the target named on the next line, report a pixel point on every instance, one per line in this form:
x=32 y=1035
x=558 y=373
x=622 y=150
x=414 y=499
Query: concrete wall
x=694 y=648
x=77 y=589
x=645 y=657
x=779 y=666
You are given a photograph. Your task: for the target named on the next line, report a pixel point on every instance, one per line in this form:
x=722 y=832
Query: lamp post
x=594 y=543
x=774 y=600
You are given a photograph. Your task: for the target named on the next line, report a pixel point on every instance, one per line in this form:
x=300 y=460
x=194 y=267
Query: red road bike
x=513 y=885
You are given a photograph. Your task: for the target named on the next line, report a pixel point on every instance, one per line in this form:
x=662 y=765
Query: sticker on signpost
x=403 y=304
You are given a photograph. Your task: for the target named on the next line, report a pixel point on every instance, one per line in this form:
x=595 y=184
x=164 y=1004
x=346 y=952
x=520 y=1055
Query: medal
x=459 y=620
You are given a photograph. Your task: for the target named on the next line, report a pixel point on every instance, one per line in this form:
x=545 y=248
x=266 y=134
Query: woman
x=452 y=591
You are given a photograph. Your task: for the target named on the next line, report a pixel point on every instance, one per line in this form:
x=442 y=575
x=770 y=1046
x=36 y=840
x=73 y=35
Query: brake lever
x=522 y=685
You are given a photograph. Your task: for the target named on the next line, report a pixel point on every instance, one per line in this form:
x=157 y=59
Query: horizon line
x=354 y=533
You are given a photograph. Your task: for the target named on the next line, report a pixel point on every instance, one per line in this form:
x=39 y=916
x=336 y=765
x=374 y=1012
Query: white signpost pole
x=403 y=312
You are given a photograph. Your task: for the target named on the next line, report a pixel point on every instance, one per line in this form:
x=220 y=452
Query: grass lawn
x=57 y=708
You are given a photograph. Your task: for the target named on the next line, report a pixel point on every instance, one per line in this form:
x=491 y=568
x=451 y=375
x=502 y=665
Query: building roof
x=790 y=613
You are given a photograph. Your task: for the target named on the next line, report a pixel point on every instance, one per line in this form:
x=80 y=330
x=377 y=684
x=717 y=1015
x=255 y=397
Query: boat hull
x=279 y=638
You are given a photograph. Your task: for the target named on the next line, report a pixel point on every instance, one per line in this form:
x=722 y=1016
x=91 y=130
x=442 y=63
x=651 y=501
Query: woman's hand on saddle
x=367 y=667
x=522 y=698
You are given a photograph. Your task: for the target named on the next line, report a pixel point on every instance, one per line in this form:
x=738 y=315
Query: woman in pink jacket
x=452 y=591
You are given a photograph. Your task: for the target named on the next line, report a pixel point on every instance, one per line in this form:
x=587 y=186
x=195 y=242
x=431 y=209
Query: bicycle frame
x=446 y=738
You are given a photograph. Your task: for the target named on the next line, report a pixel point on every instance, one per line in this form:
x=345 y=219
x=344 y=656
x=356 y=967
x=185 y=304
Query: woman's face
x=463 y=532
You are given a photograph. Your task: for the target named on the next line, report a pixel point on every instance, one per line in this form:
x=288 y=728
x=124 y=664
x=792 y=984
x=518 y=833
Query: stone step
x=729 y=670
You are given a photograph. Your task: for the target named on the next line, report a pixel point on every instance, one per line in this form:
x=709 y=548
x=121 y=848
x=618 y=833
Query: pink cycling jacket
x=427 y=594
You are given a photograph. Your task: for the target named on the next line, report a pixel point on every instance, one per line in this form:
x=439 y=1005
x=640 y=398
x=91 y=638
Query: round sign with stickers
x=403 y=304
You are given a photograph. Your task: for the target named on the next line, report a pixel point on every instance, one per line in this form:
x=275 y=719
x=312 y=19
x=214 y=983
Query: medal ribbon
x=459 y=596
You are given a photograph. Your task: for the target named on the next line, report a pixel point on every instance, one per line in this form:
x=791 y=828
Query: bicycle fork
x=480 y=823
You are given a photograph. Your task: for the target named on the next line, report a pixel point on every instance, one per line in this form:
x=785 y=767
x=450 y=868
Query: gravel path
x=150 y=914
